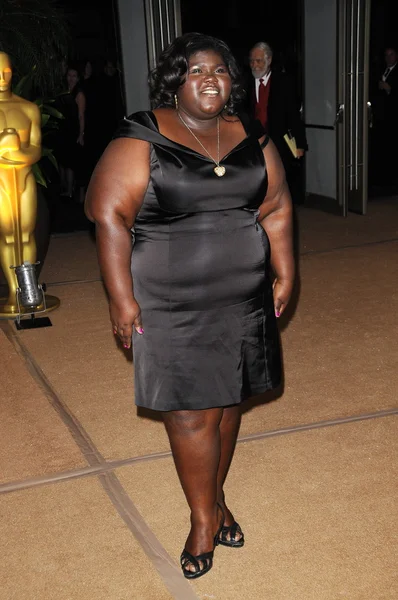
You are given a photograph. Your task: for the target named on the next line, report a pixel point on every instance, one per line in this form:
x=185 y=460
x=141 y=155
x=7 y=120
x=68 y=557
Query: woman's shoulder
x=80 y=94
x=141 y=125
x=142 y=117
x=77 y=90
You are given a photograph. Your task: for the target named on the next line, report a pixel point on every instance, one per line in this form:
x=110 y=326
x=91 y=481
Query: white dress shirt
x=387 y=72
x=265 y=81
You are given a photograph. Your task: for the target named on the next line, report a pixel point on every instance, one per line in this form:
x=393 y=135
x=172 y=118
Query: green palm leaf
x=37 y=172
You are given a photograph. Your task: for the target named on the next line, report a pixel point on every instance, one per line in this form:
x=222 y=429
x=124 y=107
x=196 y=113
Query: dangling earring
x=176 y=101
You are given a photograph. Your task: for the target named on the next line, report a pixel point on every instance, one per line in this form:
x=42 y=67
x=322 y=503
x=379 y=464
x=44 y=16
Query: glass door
x=336 y=111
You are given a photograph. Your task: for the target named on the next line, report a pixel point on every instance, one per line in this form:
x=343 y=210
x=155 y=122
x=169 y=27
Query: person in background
x=70 y=138
x=383 y=135
x=272 y=100
x=89 y=85
x=388 y=82
x=209 y=269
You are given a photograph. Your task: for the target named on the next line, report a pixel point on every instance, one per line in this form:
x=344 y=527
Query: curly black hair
x=172 y=67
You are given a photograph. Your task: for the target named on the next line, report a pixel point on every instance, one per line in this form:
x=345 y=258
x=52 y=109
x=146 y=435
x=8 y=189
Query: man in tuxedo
x=384 y=134
x=272 y=100
x=388 y=83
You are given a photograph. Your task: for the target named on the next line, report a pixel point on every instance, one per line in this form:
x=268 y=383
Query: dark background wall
x=93 y=27
x=241 y=23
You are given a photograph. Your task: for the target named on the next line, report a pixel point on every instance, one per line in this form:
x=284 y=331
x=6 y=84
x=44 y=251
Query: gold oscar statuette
x=20 y=148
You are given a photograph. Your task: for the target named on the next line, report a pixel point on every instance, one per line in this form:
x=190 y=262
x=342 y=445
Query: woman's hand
x=80 y=139
x=124 y=317
x=282 y=290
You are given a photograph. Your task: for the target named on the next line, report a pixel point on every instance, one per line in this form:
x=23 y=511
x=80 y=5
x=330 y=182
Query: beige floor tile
x=339 y=348
x=70 y=257
x=318 y=509
x=341 y=345
x=33 y=439
x=320 y=231
x=67 y=542
x=92 y=374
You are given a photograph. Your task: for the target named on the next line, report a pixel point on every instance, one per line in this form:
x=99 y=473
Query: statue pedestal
x=21 y=315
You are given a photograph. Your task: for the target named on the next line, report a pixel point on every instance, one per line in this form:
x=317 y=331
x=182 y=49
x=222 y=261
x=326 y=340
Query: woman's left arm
x=276 y=217
x=81 y=105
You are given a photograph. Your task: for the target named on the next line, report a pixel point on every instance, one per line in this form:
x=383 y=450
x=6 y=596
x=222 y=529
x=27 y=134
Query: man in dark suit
x=384 y=134
x=388 y=83
x=272 y=100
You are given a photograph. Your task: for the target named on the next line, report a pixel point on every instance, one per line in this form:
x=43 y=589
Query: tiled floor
x=90 y=504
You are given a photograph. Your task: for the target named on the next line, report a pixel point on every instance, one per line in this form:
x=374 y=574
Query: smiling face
x=260 y=63
x=207 y=86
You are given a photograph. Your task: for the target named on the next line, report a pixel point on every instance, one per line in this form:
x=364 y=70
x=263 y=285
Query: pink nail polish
x=140 y=330
x=277 y=313
x=126 y=346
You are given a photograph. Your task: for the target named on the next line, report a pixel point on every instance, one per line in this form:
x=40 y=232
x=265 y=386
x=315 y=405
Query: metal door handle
x=339 y=114
x=370 y=114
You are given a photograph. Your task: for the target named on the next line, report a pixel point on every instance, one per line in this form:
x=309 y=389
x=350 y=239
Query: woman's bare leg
x=196 y=446
x=229 y=429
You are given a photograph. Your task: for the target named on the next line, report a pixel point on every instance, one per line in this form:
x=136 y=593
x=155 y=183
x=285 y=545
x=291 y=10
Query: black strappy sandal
x=206 y=558
x=231 y=531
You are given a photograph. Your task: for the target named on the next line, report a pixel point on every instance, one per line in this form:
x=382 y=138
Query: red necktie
x=261 y=108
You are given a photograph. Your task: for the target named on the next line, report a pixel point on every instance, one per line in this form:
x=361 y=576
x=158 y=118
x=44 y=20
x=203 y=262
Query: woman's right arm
x=114 y=198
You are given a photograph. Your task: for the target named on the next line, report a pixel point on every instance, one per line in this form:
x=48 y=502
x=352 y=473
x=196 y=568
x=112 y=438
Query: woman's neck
x=209 y=123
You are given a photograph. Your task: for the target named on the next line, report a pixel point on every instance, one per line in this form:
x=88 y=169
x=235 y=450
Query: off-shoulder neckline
x=242 y=143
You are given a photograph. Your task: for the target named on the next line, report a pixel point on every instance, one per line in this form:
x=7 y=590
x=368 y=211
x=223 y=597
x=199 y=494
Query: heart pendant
x=220 y=171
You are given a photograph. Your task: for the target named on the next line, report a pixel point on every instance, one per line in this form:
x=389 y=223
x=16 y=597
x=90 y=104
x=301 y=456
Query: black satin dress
x=200 y=267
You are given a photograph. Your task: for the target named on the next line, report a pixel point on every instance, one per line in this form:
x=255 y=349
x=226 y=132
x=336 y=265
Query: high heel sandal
x=232 y=531
x=206 y=558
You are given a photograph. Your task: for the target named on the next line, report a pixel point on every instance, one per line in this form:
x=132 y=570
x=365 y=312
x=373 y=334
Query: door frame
x=352 y=107
x=163 y=23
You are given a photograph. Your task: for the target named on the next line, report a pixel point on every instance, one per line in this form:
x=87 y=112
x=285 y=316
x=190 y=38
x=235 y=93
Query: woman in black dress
x=70 y=138
x=189 y=200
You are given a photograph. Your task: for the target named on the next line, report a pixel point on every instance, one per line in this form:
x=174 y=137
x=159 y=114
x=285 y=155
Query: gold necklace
x=218 y=169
